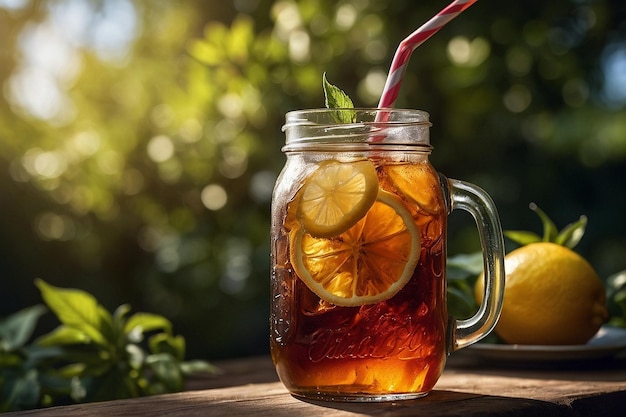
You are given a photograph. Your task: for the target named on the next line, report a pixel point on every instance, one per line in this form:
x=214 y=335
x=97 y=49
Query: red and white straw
x=408 y=45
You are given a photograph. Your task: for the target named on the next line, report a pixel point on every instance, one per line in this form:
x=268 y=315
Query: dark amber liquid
x=395 y=348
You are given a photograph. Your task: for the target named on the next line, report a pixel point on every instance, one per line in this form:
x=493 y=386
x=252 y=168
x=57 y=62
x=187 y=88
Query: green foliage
x=569 y=236
x=616 y=296
x=19 y=385
x=461 y=272
x=92 y=355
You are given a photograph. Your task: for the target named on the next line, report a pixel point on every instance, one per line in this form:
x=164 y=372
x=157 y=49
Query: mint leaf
x=336 y=98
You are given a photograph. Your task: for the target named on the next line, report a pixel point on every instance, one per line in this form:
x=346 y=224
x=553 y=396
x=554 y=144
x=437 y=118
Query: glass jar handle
x=477 y=202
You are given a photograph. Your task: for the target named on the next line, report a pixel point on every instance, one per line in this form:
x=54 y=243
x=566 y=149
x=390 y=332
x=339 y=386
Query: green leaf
x=335 y=98
x=114 y=384
x=63 y=335
x=18 y=328
x=72 y=370
x=106 y=325
x=572 y=233
x=77 y=309
x=569 y=236
x=460 y=304
x=522 y=237
x=616 y=292
x=136 y=356
x=465 y=265
x=40 y=356
x=460 y=271
x=93 y=363
x=53 y=383
x=616 y=282
x=146 y=322
x=23 y=392
x=165 y=343
x=549 y=228
x=78 y=391
x=197 y=366
x=616 y=322
x=120 y=313
x=166 y=369
x=8 y=359
x=119 y=322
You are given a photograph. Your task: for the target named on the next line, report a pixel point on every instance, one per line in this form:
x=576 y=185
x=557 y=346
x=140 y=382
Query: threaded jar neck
x=337 y=129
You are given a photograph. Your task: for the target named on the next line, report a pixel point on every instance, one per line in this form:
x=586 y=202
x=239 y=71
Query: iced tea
x=396 y=346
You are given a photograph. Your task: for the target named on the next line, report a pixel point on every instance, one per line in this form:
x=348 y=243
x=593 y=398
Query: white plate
x=608 y=342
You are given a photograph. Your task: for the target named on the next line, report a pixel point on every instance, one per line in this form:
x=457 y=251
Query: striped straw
x=408 y=45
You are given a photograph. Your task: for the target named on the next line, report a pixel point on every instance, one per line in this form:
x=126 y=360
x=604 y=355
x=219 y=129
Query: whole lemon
x=552 y=296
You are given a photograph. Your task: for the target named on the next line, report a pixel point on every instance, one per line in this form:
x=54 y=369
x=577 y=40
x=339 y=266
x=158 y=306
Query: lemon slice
x=336 y=196
x=368 y=263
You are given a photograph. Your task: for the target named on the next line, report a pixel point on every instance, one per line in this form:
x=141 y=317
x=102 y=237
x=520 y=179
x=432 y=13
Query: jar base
x=357 y=397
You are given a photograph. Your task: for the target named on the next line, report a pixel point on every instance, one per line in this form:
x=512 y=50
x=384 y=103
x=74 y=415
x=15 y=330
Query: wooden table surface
x=249 y=387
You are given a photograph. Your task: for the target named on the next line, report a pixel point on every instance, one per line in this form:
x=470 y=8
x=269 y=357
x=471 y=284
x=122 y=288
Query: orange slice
x=336 y=196
x=368 y=263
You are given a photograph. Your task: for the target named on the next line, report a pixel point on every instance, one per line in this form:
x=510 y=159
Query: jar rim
x=387 y=116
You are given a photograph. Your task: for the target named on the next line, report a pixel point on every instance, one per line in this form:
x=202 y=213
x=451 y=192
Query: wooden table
x=249 y=387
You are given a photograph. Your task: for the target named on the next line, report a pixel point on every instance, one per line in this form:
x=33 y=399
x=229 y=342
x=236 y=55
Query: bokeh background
x=140 y=139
